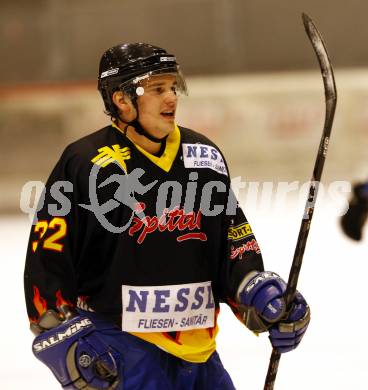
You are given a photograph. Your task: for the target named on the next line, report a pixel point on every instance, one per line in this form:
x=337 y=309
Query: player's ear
x=122 y=102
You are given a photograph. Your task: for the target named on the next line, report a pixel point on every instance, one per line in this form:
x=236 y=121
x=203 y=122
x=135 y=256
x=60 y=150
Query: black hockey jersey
x=152 y=243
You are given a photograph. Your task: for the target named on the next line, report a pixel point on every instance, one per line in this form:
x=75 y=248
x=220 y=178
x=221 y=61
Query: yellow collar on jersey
x=167 y=158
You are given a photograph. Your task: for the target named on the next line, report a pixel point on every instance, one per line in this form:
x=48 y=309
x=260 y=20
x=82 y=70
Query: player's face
x=157 y=106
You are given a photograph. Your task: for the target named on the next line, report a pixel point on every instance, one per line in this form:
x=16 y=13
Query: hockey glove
x=263 y=308
x=353 y=221
x=78 y=357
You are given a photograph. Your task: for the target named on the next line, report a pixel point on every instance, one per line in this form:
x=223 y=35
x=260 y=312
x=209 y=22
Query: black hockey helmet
x=122 y=67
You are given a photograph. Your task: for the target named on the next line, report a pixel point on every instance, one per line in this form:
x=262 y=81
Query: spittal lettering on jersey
x=203 y=156
x=170 y=220
x=168 y=308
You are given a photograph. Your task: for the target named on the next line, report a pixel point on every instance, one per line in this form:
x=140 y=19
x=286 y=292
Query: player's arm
x=49 y=275
x=66 y=341
x=256 y=296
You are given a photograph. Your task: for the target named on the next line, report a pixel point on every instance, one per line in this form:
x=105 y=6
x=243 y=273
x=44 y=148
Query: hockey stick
x=330 y=100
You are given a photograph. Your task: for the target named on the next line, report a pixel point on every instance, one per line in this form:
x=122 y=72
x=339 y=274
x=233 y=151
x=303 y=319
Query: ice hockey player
x=353 y=221
x=137 y=242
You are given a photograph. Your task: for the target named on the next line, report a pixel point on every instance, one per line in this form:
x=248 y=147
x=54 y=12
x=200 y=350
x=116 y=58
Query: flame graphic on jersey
x=39 y=302
x=234 y=306
x=173 y=336
x=61 y=301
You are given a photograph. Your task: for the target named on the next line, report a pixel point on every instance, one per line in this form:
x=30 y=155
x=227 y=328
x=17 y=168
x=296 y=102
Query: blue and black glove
x=73 y=350
x=263 y=308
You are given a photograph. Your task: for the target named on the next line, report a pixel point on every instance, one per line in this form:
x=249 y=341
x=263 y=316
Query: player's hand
x=76 y=353
x=287 y=334
x=263 y=294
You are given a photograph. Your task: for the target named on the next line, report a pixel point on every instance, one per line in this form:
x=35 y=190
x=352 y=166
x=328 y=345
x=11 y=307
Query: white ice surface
x=333 y=354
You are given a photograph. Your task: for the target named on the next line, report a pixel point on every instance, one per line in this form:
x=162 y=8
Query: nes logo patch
x=203 y=156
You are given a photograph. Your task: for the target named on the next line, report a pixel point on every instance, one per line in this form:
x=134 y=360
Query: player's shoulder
x=200 y=152
x=87 y=147
x=90 y=142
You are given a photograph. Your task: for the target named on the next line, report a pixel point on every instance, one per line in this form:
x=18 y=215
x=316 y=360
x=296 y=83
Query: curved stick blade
x=322 y=55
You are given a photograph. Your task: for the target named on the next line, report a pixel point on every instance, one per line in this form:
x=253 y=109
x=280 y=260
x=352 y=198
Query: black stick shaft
x=330 y=100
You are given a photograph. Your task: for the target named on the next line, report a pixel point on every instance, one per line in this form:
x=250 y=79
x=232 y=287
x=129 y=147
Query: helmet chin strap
x=139 y=128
